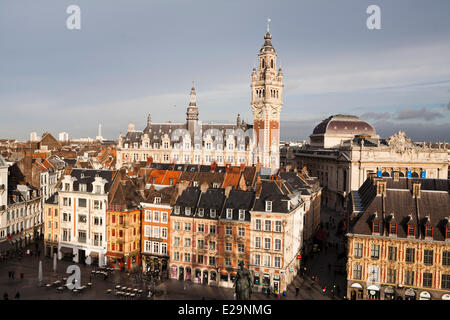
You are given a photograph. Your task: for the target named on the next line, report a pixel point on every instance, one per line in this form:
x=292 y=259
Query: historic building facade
x=233 y=144
x=83 y=198
x=276 y=234
x=156 y=231
x=399 y=240
x=344 y=150
x=51 y=225
x=123 y=223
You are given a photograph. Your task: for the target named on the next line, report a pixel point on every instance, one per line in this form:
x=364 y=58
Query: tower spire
x=268 y=25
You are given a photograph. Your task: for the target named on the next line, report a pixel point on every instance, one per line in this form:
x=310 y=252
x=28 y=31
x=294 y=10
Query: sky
x=135 y=57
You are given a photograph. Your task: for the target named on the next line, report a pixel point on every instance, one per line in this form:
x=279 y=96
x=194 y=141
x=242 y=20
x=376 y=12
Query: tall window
x=257 y=242
x=277 y=262
x=410 y=253
x=375 y=251
x=228 y=230
x=277 y=226
x=357 y=271
x=266 y=243
x=241 y=214
x=212 y=229
x=257 y=259
x=427 y=279
x=241 y=232
x=277 y=244
x=445 y=283
x=267 y=225
x=428 y=257
x=358 y=250
x=258 y=224
x=229 y=213
x=409 y=277
x=391 y=275
x=446 y=258
x=392 y=254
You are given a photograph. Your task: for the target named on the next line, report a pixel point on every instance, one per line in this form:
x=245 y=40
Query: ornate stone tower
x=267 y=100
x=192 y=112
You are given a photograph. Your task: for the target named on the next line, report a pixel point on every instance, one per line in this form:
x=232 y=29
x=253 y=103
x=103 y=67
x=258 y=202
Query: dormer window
x=392 y=228
x=376 y=227
x=241 y=214
x=66 y=186
x=201 y=212
x=157 y=200
x=195 y=183
x=83 y=187
x=229 y=213
x=411 y=230
x=215 y=185
x=212 y=213
x=268 y=206
x=177 y=210
x=187 y=211
x=429 y=231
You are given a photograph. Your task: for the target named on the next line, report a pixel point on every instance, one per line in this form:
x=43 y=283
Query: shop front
x=276 y=284
x=410 y=294
x=389 y=293
x=373 y=292
x=66 y=253
x=356 y=292
x=173 y=272
x=424 y=295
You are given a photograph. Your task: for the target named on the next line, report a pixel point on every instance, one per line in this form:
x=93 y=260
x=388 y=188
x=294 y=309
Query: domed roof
x=267 y=46
x=344 y=124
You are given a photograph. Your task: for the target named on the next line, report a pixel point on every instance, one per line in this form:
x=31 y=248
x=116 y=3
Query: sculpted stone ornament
x=400 y=143
x=243 y=283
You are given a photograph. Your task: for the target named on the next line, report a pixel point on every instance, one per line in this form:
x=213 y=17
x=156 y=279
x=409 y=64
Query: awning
x=446 y=296
x=356 y=285
x=410 y=292
x=389 y=290
x=66 y=250
x=113 y=254
x=424 y=296
x=373 y=287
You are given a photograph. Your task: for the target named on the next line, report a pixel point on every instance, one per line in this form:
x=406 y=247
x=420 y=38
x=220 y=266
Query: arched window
x=262 y=64
x=271 y=63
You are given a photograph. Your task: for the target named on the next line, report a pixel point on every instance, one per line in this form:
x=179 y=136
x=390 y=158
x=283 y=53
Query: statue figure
x=243 y=283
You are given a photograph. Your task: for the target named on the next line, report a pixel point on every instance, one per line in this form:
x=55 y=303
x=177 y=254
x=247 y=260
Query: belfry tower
x=267 y=100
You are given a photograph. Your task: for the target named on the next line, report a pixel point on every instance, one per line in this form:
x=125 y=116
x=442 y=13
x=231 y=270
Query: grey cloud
x=376 y=115
x=421 y=114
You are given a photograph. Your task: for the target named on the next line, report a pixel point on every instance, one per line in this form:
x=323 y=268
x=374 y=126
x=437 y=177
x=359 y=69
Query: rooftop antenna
x=268 y=22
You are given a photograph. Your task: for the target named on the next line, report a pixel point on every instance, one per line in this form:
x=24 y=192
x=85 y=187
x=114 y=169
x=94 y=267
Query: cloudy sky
x=134 y=57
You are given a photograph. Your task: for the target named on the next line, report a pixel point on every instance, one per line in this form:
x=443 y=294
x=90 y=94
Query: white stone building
x=83 y=200
x=195 y=142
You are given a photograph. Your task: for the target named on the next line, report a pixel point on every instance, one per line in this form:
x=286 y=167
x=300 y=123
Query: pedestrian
x=296 y=291
x=268 y=292
x=17 y=295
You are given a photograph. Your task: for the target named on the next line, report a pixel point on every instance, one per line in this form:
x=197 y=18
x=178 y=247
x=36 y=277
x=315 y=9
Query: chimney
x=396 y=176
x=258 y=187
x=381 y=187
x=416 y=190
x=204 y=186
x=227 y=190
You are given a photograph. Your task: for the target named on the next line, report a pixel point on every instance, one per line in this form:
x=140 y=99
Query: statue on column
x=243 y=283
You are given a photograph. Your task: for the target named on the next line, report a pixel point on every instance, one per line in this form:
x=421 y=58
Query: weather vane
x=268 y=21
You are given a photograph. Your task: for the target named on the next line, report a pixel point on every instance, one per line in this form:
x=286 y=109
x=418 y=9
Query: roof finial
x=268 y=22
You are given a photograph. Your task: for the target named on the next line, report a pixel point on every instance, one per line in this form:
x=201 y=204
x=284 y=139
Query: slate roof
x=238 y=199
x=272 y=191
x=188 y=198
x=87 y=176
x=210 y=199
x=434 y=203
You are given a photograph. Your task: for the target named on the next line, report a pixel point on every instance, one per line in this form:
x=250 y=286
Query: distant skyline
x=135 y=57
